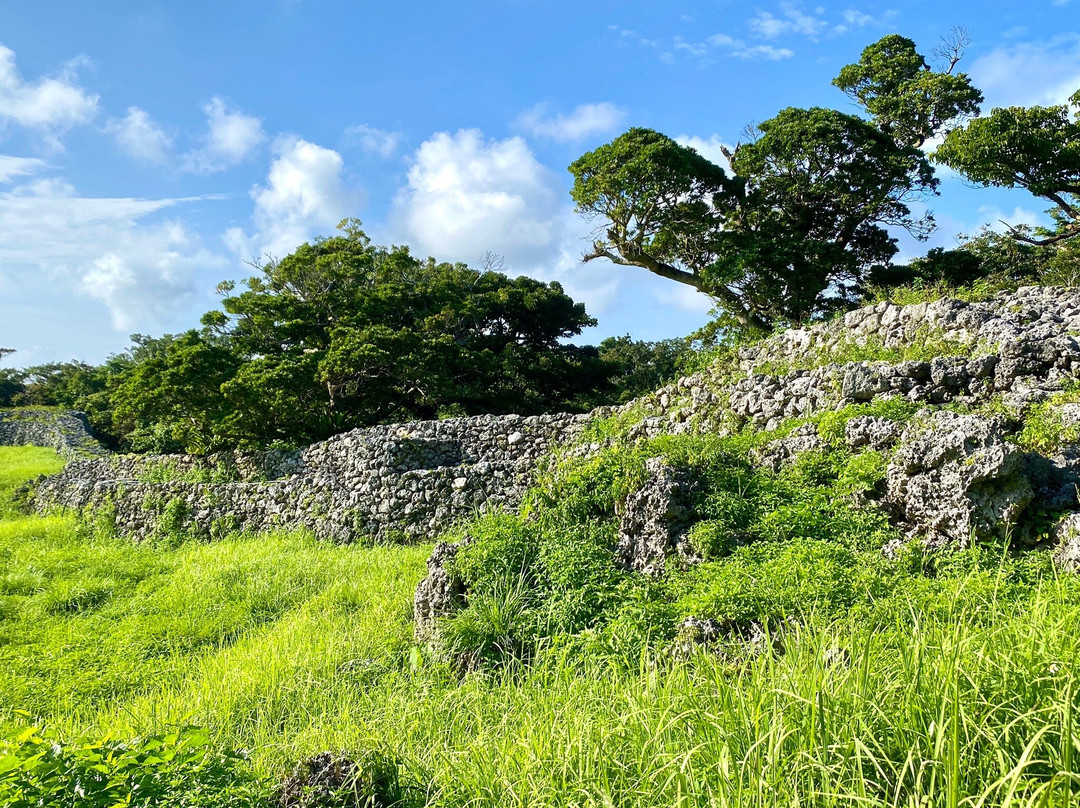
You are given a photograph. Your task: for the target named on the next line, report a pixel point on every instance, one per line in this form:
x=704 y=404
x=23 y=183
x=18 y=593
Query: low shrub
x=177 y=769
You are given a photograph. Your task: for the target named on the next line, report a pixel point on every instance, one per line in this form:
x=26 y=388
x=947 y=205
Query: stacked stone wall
x=66 y=431
x=398 y=482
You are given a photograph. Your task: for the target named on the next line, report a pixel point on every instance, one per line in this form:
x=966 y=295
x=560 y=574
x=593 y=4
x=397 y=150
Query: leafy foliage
x=179 y=768
x=1036 y=148
x=792 y=232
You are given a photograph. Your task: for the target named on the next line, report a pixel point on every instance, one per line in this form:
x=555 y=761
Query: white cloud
x=585 y=121
x=792 y=20
x=231 y=138
x=997 y=219
x=304 y=196
x=52 y=240
x=466 y=194
x=375 y=141
x=741 y=50
x=147 y=274
x=711 y=148
x=857 y=18
x=12 y=167
x=140 y=137
x=1029 y=73
x=51 y=104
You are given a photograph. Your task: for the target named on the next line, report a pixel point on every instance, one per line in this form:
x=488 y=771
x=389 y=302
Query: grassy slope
x=960 y=685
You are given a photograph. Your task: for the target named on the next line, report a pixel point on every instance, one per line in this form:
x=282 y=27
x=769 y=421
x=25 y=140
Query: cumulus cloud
x=51 y=104
x=304 y=196
x=585 y=121
x=12 y=167
x=792 y=20
x=741 y=50
x=466 y=194
x=372 y=140
x=148 y=273
x=711 y=148
x=53 y=240
x=1029 y=73
x=231 y=138
x=140 y=137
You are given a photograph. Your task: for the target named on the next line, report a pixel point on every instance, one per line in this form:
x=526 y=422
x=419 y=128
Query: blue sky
x=148 y=149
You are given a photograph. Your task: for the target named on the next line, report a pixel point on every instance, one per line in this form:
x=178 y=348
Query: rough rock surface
x=872 y=432
x=655 y=519
x=775 y=455
x=67 y=431
x=957 y=478
x=439 y=593
x=405 y=482
x=1067 y=538
x=413 y=481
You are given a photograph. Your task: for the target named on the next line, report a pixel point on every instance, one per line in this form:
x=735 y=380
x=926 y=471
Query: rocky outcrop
x=66 y=431
x=1067 y=543
x=654 y=520
x=440 y=593
x=776 y=454
x=956 y=478
x=951 y=477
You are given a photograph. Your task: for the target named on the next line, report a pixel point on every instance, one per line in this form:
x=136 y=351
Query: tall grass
x=957 y=688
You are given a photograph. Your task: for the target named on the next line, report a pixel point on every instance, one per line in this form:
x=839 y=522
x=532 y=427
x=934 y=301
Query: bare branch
x=492 y=262
x=950 y=50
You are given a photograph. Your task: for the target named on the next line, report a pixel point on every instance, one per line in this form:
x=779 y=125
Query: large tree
x=790 y=230
x=343 y=333
x=1036 y=148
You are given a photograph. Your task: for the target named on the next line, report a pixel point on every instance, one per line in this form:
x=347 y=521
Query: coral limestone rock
x=955 y=478
x=655 y=519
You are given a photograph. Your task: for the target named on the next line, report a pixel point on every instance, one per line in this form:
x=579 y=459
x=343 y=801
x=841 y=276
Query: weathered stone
x=439 y=594
x=872 y=432
x=398 y=481
x=1066 y=536
x=955 y=477
x=655 y=519
x=777 y=454
x=66 y=431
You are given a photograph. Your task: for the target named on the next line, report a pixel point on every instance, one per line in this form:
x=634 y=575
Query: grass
x=937 y=680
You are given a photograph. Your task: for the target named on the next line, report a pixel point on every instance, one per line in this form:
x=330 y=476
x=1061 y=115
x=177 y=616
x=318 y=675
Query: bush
x=178 y=769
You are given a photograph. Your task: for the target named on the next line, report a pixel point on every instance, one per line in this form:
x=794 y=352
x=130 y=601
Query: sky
x=149 y=150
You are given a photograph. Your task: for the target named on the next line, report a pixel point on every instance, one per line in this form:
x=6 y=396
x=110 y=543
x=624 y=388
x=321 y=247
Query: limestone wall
x=413 y=481
x=395 y=482
x=66 y=431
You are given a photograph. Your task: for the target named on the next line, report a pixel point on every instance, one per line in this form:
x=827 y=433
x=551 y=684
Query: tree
x=342 y=333
x=906 y=98
x=640 y=367
x=1036 y=148
x=791 y=232
x=170 y=399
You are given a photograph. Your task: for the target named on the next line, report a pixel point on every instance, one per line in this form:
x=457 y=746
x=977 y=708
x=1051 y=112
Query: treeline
x=341 y=334
x=798 y=226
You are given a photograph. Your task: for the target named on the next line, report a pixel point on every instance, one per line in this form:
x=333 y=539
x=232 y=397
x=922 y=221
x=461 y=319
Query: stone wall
x=413 y=481
x=66 y=431
x=1018 y=347
x=398 y=482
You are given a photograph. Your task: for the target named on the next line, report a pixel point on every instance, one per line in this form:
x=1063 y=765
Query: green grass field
x=961 y=692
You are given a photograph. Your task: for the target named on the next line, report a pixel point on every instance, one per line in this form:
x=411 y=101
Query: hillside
x=826 y=568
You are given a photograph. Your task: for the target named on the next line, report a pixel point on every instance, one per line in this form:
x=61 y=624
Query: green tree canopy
x=1036 y=148
x=792 y=229
x=907 y=99
x=342 y=333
